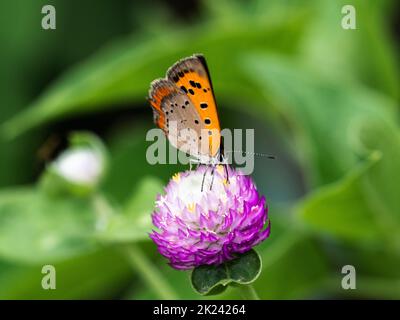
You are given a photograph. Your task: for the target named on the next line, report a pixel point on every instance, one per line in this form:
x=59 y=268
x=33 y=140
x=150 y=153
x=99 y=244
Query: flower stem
x=248 y=292
x=155 y=280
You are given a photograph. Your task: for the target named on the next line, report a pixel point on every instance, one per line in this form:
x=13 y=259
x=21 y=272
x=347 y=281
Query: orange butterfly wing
x=191 y=75
x=188 y=84
x=158 y=90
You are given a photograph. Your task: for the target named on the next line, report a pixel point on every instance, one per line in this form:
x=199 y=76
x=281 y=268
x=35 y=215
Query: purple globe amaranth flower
x=211 y=226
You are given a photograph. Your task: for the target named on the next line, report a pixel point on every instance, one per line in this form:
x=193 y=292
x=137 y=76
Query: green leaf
x=341 y=209
x=367 y=54
x=75 y=277
x=382 y=180
x=378 y=272
x=294 y=267
x=364 y=205
x=335 y=125
x=322 y=114
x=134 y=222
x=210 y=280
x=380 y=63
x=177 y=279
x=123 y=71
x=36 y=228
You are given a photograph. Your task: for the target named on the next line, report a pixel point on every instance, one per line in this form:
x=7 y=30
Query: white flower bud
x=83 y=166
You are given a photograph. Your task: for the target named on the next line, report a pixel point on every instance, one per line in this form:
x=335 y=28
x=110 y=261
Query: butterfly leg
x=190 y=164
x=193 y=162
x=224 y=162
x=212 y=177
x=204 y=176
x=226 y=172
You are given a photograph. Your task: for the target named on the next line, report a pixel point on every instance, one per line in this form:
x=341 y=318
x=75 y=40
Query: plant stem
x=155 y=280
x=103 y=210
x=248 y=293
x=136 y=257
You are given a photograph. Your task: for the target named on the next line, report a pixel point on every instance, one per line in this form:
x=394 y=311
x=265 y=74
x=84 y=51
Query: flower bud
x=79 y=169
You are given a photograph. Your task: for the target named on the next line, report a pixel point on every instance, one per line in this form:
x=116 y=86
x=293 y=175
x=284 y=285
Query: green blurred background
x=323 y=100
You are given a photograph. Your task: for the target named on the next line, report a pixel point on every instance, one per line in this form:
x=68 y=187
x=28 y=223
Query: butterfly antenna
x=204 y=176
x=254 y=154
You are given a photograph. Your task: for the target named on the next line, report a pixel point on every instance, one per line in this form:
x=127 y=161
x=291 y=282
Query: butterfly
x=184 y=107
